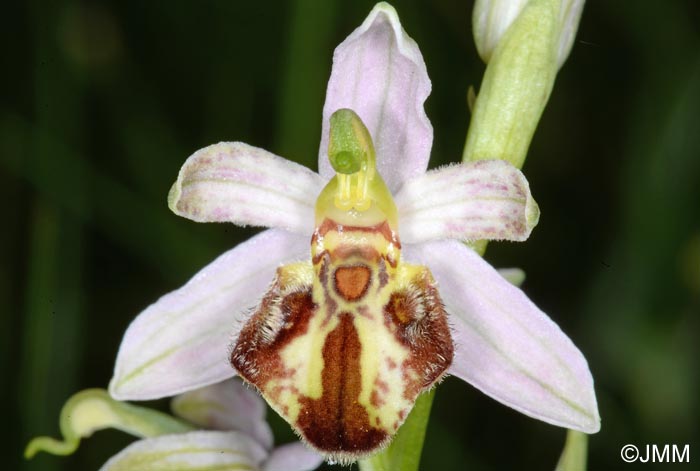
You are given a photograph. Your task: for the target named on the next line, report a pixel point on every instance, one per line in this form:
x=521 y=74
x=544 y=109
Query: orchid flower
x=341 y=337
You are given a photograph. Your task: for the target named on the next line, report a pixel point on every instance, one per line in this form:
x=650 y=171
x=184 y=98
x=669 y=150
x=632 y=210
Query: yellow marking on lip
x=378 y=346
x=304 y=355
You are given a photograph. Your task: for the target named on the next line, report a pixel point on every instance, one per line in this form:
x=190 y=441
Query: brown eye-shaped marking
x=351 y=282
x=417 y=318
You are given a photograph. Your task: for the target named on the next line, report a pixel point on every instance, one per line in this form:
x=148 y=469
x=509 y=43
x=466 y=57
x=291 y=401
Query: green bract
x=522 y=67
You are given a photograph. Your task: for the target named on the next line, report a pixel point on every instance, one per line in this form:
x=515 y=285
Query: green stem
x=516 y=86
x=404 y=452
x=574 y=456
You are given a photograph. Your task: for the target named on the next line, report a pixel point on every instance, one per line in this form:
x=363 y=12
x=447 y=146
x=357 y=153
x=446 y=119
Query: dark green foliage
x=102 y=103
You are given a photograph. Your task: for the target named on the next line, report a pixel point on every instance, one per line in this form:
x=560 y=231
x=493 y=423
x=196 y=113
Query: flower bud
x=569 y=17
x=492 y=18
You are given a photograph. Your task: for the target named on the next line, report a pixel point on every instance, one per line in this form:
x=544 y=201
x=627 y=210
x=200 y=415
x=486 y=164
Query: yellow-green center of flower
x=357 y=194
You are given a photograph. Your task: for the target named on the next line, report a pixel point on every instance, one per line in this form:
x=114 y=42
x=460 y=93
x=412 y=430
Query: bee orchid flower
x=362 y=293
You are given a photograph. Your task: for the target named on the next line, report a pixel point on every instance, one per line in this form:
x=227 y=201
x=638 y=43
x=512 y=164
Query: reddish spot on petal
x=351 y=282
x=383 y=387
x=376 y=400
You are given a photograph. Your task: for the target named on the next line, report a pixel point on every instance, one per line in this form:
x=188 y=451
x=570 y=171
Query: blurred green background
x=103 y=101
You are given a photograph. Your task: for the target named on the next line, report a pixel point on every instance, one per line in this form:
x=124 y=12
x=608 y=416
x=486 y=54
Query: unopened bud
x=490 y=21
x=492 y=18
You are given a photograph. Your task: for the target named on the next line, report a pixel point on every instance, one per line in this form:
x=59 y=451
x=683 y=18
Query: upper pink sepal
x=378 y=72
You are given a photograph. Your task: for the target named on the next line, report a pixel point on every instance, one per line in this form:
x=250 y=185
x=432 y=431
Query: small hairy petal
x=238 y=183
x=505 y=345
x=486 y=199
x=378 y=72
x=228 y=405
x=180 y=342
x=193 y=451
x=292 y=457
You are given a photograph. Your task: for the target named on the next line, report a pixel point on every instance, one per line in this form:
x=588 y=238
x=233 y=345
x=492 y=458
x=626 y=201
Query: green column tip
x=350 y=147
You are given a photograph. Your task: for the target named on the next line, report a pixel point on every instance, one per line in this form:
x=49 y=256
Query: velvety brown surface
x=336 y=422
